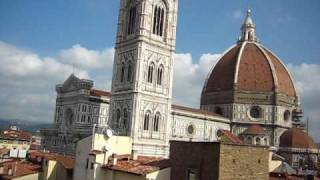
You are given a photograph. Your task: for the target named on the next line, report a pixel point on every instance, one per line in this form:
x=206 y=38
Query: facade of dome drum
x=251 y=85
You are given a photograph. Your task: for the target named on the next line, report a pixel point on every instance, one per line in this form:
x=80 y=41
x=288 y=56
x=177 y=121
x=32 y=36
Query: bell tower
x=142 y=73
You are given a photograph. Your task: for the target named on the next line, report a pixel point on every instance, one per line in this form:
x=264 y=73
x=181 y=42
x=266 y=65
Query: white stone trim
x=274 y=74
x=238 y=62
x=212 y=68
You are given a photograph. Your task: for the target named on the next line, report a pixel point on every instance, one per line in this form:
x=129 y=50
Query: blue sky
x=289 y=27
x=43 y=42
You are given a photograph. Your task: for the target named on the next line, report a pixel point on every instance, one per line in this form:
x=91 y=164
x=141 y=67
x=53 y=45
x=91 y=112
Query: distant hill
x=29 y=126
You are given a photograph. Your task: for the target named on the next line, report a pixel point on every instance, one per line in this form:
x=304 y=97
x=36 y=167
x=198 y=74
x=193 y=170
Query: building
x=78 y=107
x=101 y=157
x=38 y=166
x=214 y=160
x=19 y=170
x=299 y=150
x=249 y=86
x=14 y=138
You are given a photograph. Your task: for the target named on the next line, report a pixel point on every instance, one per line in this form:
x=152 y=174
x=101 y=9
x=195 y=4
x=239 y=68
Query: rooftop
x=142 y=166
x=22 y=168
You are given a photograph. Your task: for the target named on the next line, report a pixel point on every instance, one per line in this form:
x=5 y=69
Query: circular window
x=256 y=112
x=286 y=115
x=190 y=129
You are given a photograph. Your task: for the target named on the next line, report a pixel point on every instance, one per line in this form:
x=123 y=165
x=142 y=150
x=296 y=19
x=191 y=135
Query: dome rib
x=275 y=79
x=249 y=66
x=286 y=70
x=236 y=74
x=204 y=89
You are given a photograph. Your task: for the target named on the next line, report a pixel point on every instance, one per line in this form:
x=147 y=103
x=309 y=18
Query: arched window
x=125 y=118
x=129 y=75
x=118 y=118
x=158 y=20
x=132 y=20
x=122 y=72
x=150 y=73
x=258 y=141
x=146 y=121
x=286 y=115
x=159 y=75
x=156 y=122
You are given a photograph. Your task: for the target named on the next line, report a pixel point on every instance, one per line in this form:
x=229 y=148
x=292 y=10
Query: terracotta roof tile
x=193 y=110
x=254 y=129
x=296 y=138
x=233 y=138
x=15 y=134
x=22 y=168
x=254 y=72
x=38 y=156
x=99 y=93
x=142 y=166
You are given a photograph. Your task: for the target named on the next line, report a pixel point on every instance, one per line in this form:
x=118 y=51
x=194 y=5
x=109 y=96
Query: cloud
x=306 y=78
x=189 y=77
x=27 y=80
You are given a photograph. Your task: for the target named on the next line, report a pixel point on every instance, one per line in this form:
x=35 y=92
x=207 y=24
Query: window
x=160 y=74
x=87 y=163
x=146 y=121
x=132 y=20
x=256 y=112
x=122 y=73
x=156 y=122
x=118 y=118
x=129 y=75
x=150 y=72
x=190 y=129
x=258 y=141
x=158 y=21
x=125 y=118
x=286 y=115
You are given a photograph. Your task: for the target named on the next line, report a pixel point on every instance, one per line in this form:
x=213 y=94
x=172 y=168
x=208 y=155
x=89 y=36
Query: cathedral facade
x=249 y=86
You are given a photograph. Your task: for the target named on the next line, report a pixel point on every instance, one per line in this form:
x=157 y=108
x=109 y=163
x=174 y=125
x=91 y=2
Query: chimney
x=114 y=160
x=134 y=155
x=10 y=171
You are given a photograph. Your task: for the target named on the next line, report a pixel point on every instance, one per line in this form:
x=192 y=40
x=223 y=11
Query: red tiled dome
x=296 y=138
x=248 y=66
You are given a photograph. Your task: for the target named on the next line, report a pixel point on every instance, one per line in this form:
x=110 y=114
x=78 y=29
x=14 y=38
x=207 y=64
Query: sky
x=43 y=42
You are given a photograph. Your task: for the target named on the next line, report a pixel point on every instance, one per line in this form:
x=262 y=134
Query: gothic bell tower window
x=156 y=122
x=122 y=72
x=160 y=75
x=146 y=121
x=129 y=75
x=132 y=20
x=150 y=72
x=158 y=20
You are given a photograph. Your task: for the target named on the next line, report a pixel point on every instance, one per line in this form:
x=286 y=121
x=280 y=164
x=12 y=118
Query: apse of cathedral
x=249 y=92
